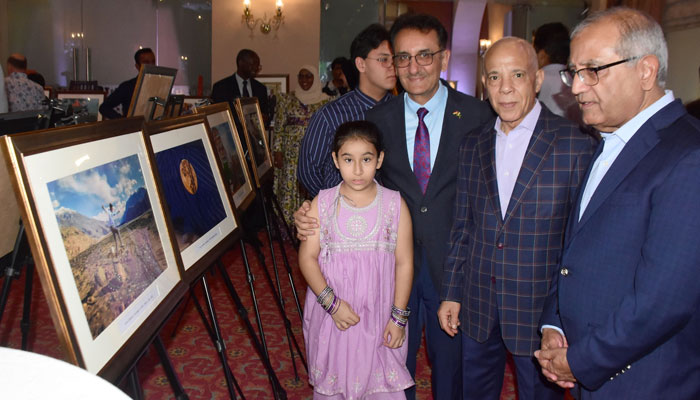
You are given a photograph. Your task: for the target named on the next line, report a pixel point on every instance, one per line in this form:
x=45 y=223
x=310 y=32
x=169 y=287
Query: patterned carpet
x=190 y=349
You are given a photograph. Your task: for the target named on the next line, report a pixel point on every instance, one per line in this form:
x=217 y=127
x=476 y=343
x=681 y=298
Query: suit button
x=493 y=280
x=564 y=271
x=499 y=246
x=424 y=209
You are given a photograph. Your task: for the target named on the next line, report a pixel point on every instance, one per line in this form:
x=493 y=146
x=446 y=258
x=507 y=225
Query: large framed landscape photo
x=195 y=195
x=258 y=148
x=99 y=238
x=228 y=147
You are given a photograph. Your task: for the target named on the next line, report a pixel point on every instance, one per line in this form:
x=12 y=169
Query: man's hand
x=305 y=225
x=555 y=366
x=448 y=315
x=552 y=339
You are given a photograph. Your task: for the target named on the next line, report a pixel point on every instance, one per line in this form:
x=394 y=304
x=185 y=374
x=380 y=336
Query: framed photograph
x=275 y=83
x=49 y=92
x=195 y=195
x=99 y=238
x=250 y=116
x=83 y=102
x=153 y=81
x=227 y=143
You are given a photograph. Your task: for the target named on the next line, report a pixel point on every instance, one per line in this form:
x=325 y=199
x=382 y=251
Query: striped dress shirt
x=316 y=170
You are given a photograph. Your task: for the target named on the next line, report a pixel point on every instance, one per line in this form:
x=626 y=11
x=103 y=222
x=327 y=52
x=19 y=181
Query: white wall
x=113 y=31
x=683 y=63
x=295 y=44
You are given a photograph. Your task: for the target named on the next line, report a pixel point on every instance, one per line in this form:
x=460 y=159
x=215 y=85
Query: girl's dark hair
x=364 y=130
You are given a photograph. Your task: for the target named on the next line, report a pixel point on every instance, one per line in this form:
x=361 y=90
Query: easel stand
x=277 y=291
x=157 y=101
x=133 y=379
x=12 y=271
x=213 y=328
x=266 y=198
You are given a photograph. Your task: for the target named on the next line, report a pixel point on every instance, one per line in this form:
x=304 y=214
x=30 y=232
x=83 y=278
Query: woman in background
x=292 y=115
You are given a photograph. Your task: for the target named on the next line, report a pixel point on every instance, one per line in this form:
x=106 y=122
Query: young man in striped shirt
x=371 y=52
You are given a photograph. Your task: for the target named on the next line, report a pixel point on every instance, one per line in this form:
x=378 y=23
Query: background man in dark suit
x=419 y=56
x=622 y=318
x=517 y=179
x=125 y=91
x=243 y=84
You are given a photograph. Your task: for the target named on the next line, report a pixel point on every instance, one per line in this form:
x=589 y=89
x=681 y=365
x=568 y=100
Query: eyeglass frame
x=389 y=59
x=432 y=58
x=595 y=70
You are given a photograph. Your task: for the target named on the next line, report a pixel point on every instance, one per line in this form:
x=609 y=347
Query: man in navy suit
x=517 y=179
x=420 y=55
x=622 y=318
x=243 y=84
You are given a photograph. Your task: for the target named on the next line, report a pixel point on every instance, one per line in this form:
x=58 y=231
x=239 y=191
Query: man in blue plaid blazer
x=517 y=178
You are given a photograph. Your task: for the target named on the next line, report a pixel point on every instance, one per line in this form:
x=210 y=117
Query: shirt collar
x=366 y=98
x=439 y=97
x=626 y=131
x=17 y=74
x=528 y=123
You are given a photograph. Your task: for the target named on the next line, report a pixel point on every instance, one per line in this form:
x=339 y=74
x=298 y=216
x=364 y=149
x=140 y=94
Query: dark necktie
x=421 y=151
x=246 y=93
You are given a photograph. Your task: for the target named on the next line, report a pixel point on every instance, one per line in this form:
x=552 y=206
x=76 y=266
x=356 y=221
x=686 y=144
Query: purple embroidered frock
x=357 y=260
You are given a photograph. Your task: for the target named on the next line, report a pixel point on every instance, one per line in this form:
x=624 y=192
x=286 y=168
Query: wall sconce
x=266 y=25
x=484 y=45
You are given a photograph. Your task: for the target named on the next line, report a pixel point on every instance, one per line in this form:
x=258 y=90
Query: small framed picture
x=195 y=195
x=275 y=83
x=83 y=102
x=250 y=116
x=228 y=147
x=99 y=238
x=152 y=90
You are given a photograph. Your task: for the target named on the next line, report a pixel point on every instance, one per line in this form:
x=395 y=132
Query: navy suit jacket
x=502 y=267
x=431 y=213
x=227 y=90
x=628 y=294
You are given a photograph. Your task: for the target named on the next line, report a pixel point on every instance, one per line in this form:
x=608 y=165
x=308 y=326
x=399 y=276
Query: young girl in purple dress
x=359 y=269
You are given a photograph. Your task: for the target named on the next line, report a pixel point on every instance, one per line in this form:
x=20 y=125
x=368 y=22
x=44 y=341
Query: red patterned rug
x=191 y=351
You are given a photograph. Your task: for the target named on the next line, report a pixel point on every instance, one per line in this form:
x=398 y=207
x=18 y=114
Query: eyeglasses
x=588 y=75
x=385 y=61
x=424 y=58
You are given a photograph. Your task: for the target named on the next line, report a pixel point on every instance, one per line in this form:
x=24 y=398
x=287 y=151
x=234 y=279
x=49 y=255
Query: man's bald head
x=515 y=43
x=16 y=63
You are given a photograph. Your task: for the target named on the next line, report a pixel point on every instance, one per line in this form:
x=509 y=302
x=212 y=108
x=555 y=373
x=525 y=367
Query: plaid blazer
x=505 y=266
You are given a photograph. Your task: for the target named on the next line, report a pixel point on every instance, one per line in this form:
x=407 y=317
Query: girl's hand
x=345 y=317
x=393 y=335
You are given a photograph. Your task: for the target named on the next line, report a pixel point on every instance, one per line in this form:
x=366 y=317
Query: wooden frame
x=228 y=147
x=249 y=114
x=195 y=197
x=89 y=100
x=275 y=83
x=111 y=276
x=153 y=81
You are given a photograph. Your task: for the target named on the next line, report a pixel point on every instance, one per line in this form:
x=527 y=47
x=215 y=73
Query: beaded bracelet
x=400 y=317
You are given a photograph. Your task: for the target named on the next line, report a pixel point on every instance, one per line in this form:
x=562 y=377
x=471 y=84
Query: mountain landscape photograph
x=110 y=237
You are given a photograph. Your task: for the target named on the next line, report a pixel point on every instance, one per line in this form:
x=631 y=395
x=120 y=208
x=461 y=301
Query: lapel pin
x=457 y=114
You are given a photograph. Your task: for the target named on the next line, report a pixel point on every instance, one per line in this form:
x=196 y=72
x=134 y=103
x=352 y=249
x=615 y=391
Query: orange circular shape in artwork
x=188 y=176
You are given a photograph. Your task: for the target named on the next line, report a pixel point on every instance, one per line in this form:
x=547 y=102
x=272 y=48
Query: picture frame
x=49 y=92
x=274 y=83
x=227 y=143
x=83 y=100
x=248 y=110
x=111 y=278
x=153 y=81
x=196 y=200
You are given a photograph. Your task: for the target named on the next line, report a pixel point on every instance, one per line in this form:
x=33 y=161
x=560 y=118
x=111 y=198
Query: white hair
x=640 y=35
